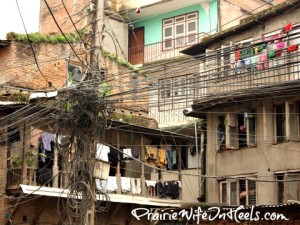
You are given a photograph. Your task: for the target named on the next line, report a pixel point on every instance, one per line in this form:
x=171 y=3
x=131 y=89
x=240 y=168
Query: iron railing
x=164 y=50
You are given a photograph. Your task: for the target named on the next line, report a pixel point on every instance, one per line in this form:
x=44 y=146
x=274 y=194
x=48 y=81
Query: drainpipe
x=201 y=158
x=203 y=166
x=219 y=16
x=198 y=161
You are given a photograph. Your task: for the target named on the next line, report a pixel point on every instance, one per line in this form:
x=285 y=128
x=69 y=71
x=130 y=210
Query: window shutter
x=252 y=192
x=293 y=121
x=269 y=124
x=232 y=142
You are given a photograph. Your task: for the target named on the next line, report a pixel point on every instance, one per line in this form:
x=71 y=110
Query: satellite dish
x=77 y=75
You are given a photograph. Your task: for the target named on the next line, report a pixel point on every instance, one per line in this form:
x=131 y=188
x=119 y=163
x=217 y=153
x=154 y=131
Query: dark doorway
x=136 y=46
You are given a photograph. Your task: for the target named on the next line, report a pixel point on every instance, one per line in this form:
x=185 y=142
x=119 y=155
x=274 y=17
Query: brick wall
x=78 y=9
x=20 y=69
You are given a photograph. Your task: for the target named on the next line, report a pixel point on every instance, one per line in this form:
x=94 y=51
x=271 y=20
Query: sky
x=10 y=19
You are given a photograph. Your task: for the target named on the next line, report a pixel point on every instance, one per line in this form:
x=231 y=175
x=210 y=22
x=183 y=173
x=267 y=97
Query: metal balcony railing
x=227 y=78
x=164 y=50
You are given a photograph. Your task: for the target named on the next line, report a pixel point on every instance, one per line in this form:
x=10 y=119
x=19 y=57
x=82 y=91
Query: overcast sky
x=10 y=19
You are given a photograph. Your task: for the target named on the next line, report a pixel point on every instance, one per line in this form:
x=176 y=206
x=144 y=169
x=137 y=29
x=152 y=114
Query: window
x=280 y=123
x=293 y=119
x=221 y=133
x=176 y=90
x=287 y=122
x=180 y=31
x=288 y=187
x=226 y=60
x=240 y=130
x=233 y=193
x=177 y=86
x=223 y=192
x=239 y=191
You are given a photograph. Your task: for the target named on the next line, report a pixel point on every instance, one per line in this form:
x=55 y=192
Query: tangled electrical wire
x=83 y=116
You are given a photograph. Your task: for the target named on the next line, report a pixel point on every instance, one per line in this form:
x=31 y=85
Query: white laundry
x=136 y=186
x=127 y=154
x=179 y=183
x=112 y=184
x=151 y=183
x=102 y=152
x=125 y=184
x=101 y=185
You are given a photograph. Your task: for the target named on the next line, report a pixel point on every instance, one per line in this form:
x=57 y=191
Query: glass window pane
x=168 y=43
x=180 y=29
x=233 y=193
x=192 y=16
x=180 y=41
x=168 y=32
x=167 y=22
x=179 y=19
x=192 y=26
x=224 y=193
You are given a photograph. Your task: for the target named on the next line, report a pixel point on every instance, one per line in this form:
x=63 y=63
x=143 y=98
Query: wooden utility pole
x=97 y=7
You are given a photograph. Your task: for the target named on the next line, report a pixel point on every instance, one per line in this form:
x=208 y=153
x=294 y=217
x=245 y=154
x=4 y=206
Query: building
x=159 y=34
x=34 y=185
x=247 y=92
x=52 y=64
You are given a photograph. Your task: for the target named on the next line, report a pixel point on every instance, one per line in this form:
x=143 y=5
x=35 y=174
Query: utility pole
x=97 y=7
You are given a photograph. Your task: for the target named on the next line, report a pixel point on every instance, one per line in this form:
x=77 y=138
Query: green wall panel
x=208 y=21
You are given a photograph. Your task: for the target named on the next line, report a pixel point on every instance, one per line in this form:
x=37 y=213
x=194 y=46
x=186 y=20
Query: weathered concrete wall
x=231 y=12
x=262 y=161
x=117 y=41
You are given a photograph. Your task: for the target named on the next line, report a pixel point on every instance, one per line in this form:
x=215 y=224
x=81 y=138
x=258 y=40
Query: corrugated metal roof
x=152 y=130
x=12 y=103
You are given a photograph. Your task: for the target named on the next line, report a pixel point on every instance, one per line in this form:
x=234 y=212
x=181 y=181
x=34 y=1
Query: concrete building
x=247 y=93
x=159 y=34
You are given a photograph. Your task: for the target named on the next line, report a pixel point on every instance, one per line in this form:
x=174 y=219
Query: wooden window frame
x=185 y=35
x=238 y=192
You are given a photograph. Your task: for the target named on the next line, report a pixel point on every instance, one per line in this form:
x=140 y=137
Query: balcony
x=138 y=190
x=129 y=180
x=164 y=50
x=224 y=80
